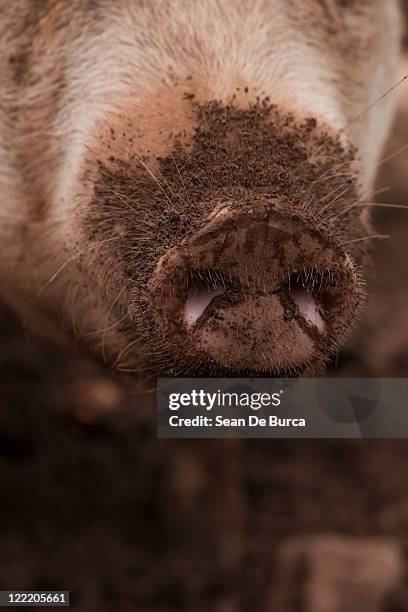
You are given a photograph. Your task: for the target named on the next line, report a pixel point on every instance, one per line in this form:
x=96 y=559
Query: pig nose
x=256 y=291
x=203 y=290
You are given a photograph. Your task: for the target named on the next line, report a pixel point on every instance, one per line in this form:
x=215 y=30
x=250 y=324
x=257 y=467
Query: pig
x=185 y=184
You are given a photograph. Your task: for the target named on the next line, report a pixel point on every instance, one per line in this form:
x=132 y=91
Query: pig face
x=190 y=177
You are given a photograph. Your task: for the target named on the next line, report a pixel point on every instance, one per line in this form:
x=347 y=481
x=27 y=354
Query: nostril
x=201 y=290
x=310 y=292
x=308 y=305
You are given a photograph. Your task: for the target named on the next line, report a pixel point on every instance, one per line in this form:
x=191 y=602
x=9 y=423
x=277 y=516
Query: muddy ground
x=91 y=502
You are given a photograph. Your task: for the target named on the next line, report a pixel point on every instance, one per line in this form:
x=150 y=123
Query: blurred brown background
x=91 y=502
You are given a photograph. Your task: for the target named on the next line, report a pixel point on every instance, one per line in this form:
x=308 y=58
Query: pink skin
x=197 y=301
x=308 y=307
x=199 y=298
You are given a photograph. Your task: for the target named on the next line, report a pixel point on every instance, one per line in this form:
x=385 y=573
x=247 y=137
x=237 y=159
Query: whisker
x=71 y=259
x=387 y=205
x=106 y=329
x=332 y=168
x=120 y=197
x=334 y=191
x=361 y=202
x=108 y=314
x=123 y=352
x=181 y=178
x=157 y=182
x=162 y=176
x=384 y=95
x=334 y=200
x=376 y=192
x=392 y=155
x=346 y=210
x=326 y=177
x=371 y=237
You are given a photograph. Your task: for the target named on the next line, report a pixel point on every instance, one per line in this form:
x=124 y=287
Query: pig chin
x=246 y=244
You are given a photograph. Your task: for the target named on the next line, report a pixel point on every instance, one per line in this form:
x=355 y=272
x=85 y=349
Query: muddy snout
x=256 y=291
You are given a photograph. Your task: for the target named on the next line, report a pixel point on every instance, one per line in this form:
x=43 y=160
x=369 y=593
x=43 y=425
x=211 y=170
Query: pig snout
x=237 y=250
x=254 y=290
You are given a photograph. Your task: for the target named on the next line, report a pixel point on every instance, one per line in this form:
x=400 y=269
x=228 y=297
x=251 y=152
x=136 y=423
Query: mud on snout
x=237 y=253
